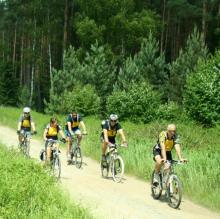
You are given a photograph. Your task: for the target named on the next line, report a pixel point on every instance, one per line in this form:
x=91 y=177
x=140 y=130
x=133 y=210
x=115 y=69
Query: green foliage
x=129 y=73
x=152 y=65
x=88 y=32
x=72 y=72
x=83 y=99
x=169 y=111
x=23 y=98
x=201 y=97
x=8 y=85
x=138 y=103
x=28 y=192
x=186 y=64
x=147 y=65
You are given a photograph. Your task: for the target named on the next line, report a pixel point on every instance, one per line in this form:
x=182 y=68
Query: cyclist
x=167 y=140
x=73 y=121
x=25 y=124
x=51 y=132
x=110 y=128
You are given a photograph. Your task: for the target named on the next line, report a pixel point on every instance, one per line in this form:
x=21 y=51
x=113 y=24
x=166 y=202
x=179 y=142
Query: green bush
x=82 y=99
x=139 y=103
x=169 y=111
x=201 y=97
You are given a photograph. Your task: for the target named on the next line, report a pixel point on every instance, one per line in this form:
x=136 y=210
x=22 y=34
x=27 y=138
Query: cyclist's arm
x=178 y=151
x=69 y=127
x=19 y=126
x=82 y=124
x=61 y=133
x=33 y=126
x=105 y=132
x=121 y=132
x=45 y=134
x=163 y=151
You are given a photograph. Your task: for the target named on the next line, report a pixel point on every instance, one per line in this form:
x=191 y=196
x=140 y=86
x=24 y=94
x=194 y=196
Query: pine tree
x=185 y=64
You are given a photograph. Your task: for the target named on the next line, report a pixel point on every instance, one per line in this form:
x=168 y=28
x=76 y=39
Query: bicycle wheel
x=174 y=191
x=104 y=170
x=27 y=148
x=117 y=169
x=56 y=166
x=78 y=157
x=156 y=189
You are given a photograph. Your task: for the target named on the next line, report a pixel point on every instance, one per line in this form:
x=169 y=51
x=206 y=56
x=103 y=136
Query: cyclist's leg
x=48 y=152
x=79 y=135
x=158 y=163
x=158 y=159
x=69 y=143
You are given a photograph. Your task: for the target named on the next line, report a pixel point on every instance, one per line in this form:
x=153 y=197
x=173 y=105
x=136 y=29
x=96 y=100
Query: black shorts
x=157 y=151
x=111 y=140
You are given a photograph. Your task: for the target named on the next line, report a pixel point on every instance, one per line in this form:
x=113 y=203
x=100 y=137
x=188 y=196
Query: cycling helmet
x=26 y=110
x=113 y=117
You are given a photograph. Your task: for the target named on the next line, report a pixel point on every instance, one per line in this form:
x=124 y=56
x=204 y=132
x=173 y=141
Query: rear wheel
x=56 y=166
x=174 y=191
x=156 y=188
x=118 y=169
x=78 y=157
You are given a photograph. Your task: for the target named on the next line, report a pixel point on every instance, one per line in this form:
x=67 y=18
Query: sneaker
x=68 y=157
x=156 y=179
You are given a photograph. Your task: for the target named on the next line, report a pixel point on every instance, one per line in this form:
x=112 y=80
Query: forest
x=141 y=59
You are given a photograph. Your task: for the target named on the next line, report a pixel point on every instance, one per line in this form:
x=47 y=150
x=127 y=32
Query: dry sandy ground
x=106 y=199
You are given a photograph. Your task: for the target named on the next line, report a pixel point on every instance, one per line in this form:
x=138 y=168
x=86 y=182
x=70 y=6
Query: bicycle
x=168 y=181
x=24 y=146
x=55 y=162
x=76 y=152
x=114 y=163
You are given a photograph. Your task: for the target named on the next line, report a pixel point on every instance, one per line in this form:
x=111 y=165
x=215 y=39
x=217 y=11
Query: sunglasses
x=113 y=120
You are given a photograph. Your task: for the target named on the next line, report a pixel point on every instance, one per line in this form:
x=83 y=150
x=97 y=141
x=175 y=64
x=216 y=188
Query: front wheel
x=78 y=157
x=118 y=169
x=156 y=187
x=174 y=191
x=56 y=166
x=27 y=148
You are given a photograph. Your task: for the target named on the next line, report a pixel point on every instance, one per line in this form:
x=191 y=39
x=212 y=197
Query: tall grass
x=200 y=177
x=26 y=191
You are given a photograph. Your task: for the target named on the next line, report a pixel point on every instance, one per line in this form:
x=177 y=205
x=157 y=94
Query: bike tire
x=117 y=169
x=56 y=166
x=27 y=148
x=104 y=171
x=78 y=157
x=156 y=189
x=174 y=191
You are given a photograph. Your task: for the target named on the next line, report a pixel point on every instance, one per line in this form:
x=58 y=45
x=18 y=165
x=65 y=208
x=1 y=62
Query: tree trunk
x=33 y=65
x=21 y=61
x=163 y=28
x=167 y=30
x=3 y=44
x=49 y=51
x=14 y=47
x=204 y=17
x=65 y=25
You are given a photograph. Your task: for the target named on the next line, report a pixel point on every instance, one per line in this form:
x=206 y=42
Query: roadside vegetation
x=200 y=177
x=27 y=191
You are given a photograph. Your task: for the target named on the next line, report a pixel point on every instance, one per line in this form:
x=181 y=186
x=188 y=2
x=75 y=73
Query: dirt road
x=106 y=199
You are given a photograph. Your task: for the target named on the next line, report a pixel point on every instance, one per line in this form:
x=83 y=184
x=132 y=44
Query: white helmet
x=113 y=117
x=26 y=110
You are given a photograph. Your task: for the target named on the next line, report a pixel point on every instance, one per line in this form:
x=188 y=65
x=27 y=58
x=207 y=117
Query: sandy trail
x=106 y=199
